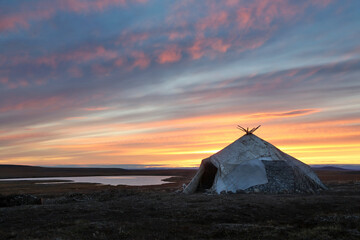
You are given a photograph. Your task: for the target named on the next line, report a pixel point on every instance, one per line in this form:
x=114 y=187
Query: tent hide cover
x=251 y=164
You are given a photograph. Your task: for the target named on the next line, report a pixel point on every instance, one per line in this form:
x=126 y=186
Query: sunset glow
x=164 y=83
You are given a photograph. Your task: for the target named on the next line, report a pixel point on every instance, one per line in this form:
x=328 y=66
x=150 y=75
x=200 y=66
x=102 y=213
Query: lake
x=105 y=180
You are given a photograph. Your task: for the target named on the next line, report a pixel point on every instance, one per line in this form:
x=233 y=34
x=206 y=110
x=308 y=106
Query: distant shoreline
x=24 y=171
x=135 y=167
x=354 y=167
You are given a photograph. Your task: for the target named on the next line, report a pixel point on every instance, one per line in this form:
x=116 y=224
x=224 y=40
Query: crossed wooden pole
x=246 y=130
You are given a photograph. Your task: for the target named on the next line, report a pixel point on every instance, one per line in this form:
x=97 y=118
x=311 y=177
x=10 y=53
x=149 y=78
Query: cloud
x=211 y=30
x=207 y=47
x=75 y=72
x=4 y=80
x=141 y=60
x=22 y=19
x=21 y=138
x=96 y=108
x=169 y=55
x=82 y=54
x=42 y=10
x=40 y=103
x=129 y=39
x=177 y=35
x=293 y=113
x=213 y=21
x=169 y=81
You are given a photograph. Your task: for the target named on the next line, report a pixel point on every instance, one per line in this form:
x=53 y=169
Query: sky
x=164 y=83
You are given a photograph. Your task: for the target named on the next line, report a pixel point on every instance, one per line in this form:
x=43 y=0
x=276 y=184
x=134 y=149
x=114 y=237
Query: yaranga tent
x=251 y=164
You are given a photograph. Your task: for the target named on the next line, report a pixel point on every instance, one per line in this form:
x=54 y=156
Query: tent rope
x=246 y=130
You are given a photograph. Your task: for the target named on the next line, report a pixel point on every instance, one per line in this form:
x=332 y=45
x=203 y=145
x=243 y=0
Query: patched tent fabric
x=251 y=164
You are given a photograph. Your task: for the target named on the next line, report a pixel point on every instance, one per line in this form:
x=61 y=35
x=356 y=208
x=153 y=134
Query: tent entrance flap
x=208 y=177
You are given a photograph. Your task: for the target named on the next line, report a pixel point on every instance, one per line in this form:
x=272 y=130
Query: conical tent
x=251 y=164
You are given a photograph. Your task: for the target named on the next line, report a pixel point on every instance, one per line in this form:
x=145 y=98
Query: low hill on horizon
x=330 y=168
x=26 y=171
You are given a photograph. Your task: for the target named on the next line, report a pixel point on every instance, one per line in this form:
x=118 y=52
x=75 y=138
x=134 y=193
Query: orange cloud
x=184 y=142
x=293 y=113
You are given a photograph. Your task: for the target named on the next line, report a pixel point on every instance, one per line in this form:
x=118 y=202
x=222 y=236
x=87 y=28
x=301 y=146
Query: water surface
x=106 y=180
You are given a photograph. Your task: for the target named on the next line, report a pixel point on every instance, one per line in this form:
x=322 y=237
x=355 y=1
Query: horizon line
x=158 y=166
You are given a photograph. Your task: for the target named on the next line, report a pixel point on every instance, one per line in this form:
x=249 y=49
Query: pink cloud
x=80 y=6
x=40 y=81
x=47 y=60
x=243 y=17
x=169 y=55
x=322 y=3
x=89 y=54
x=219 y=45
x=99 y=69
x=13 y=84
x=213 y=21
x=232 y=3
x=75 y=72
x=140 y=60
x=119 y=62
x=42 y=10
x=51 y=102
x=47 y=102
x=177 y=35
x=196 y=50
x=96 y=108
x=80 y=55
x=23 y=136
x=21 y=83
x=2 y=59
x=207 y=46
x=4 y=80
x=85 y=6
x=22 y=19
x=259 y=15
x=130 y=39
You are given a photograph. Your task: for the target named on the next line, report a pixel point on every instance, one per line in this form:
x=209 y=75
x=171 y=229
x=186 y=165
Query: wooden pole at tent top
x=247 y=131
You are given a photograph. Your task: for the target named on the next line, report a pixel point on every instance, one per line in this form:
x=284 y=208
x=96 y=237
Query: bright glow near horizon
x=164 y=83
